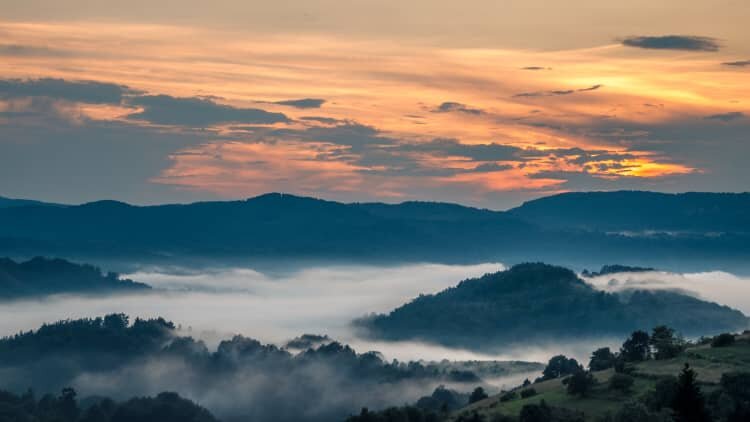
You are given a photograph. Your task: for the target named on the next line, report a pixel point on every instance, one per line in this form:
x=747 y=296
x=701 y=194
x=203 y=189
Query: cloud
x=324 y=120
x=197 y=112
x=91 y=92
x=726 y=117
x=673 y=42
x=303 y=103
x=740 y=63
x=534 y=68
x=19 y=50
x=448 y=107
x=558 y=92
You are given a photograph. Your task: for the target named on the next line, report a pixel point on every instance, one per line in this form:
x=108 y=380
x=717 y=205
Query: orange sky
x=402 y=118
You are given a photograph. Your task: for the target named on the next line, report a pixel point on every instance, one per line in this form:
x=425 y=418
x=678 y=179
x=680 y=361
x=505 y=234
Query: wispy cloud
x=558 y=92
x=673 y=42
x=726 y=117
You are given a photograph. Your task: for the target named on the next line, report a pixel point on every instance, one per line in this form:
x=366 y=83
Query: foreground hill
x=543 y=302
x=583 y=229
x=722 y=372
x=43 y=276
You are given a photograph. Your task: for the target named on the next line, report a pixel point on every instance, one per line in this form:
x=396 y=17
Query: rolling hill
x=541 y=302
x=42 y=276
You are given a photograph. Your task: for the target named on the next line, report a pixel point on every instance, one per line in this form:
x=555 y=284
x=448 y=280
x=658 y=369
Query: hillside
x=539 y=301
x=709 y=364
x=42 y=276
x=11 y=202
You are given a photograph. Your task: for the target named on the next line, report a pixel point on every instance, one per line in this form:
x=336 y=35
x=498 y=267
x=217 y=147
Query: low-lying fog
x=215 y=304
x=714 y=286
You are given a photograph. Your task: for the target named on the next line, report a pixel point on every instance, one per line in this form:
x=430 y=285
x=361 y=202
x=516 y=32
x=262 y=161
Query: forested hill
x=538 y=301
x=586 y=229
x=43 y=276
x=638 y=211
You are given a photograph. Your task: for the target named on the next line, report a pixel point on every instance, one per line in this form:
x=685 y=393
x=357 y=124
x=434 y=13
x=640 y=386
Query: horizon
x=385 y=202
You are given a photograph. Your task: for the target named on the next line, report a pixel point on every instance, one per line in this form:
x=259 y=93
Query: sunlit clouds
x=365 y=118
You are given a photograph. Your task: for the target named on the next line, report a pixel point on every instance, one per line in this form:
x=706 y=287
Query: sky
x=480 y=102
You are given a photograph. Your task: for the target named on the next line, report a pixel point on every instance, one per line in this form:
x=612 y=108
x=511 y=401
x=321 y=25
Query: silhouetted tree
x=477 y=395
x=636 y=347
x=689 y=404
x=559 y=366
x=602 y=359
x=723 y=340
x=665 y=344
x=580 y=383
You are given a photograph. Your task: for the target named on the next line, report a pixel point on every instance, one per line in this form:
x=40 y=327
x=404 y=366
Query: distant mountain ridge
x=640 y=211
x=540 y=301
x=43 y=276
x=624 y=226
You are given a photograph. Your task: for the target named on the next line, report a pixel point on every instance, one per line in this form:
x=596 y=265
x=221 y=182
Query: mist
x=715 y=286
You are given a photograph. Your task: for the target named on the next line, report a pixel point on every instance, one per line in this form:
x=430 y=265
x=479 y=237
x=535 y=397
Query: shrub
x=580 y=383
x=510 y=395
x=621 y=382
x=529 y=392
x=723 y=340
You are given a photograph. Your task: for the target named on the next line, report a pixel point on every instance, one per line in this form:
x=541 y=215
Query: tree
x=723 y=340
x=580 y=383
x=602 y=359
x=621 y=382
x=634 y=411
x=636 y=348
x=559 y=366
x=529 y=392
x=665 y=344
x=689 y=404
x=67 y=403
x=477 y=395
x=535 y=413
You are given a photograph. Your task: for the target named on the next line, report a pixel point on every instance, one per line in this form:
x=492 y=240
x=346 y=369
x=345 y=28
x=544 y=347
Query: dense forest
x=44 y=276
x=542 y=302
x=65 y=407
x=241 y=379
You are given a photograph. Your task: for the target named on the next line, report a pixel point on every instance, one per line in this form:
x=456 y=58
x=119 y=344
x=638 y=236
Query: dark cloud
x=197 y=112
x=449 y=106
x=741 y=63
x=673 y=42
x=490 y=167
x=324 y=120
x=476 y=152
x=558 y=92
x=18 y=50
x=91 y=92
x=534 y=68
x=726 y=117
x=303 y=103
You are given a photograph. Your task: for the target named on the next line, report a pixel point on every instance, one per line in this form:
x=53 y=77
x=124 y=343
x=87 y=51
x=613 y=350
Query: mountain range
x=579 y=229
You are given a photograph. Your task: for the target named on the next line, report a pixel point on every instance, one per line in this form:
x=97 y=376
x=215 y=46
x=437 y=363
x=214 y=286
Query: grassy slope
x=708 y=362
